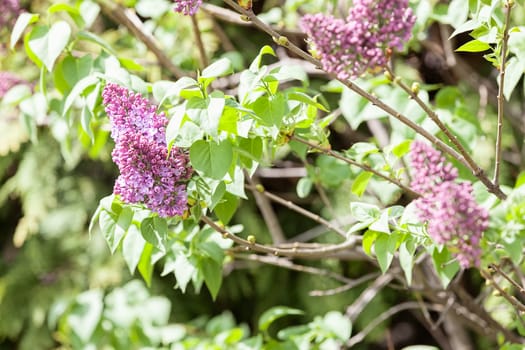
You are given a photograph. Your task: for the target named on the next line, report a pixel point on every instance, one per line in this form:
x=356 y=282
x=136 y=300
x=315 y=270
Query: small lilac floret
x=187 y=7
x=454 y=218
x=148 y=174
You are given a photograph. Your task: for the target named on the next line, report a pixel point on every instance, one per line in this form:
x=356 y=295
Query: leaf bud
x=251 y=239
x=259 y=188
x=415 y=87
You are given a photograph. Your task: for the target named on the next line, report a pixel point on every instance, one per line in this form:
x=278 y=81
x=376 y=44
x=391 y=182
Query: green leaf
x=270 y=110
x=145 y=265
x=72 y=11
x=212 y=159
x=226 y=207
x=360 y=183
x=513 y=73
x=86 y=313
x=89 y=36
x=218 y=68
x=107 y=223
x=212 y=273
x=150 y=232
x=304 y=186
x=274 y=313
x=184 y=271
x=256 y=64
x=119 y=229
x=79 y=88
x=302 y=97
x=47 y=43
x=21 y=24
x=364 y=211
x=473 y=46
x=164 y=89
x=338 y=324
x=384 y=248
x=446 y=268
x=402 y=148
x=132 y=247
x=250 y=150
x=406 y=259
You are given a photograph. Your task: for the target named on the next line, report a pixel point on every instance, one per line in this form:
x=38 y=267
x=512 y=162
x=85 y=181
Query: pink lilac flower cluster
x=348 y=48
x=187 y=7
x=7 y=81
x=148 y=173
x=454 y=218
x=9 y=11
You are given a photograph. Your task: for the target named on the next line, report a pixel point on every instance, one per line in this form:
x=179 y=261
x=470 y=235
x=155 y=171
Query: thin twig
x=274 y=227
x=287 y=264
x=283 y=41
x=359 y=337
x=516 y=285
x=130 y=20
x=369 y=293
x=500 y=91
x=349 y=285
x=336 y=155
x=198 y=39
x=510 y=298
x=471 y=164
x=298 y=209
x=321 y=252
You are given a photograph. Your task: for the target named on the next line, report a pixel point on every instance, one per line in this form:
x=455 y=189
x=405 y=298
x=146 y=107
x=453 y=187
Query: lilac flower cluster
x=7 y=81
x=454 y=218
x=187 y=7
x=9 y=11
x=349 y=47
x=148 y=174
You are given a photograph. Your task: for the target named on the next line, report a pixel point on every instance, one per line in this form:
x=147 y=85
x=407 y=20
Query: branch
x=198 y=39
x=349 y=285
x=331 y=153
x=266 y=210
x=287 y=264
x=298 y=209
x=469 y=162
x=384 y=316
x=501 y=78
x=320 y=252
x=130 y=20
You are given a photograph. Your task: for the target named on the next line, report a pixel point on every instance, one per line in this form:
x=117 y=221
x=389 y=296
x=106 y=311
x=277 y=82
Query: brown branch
x=469 y=162
x=292 y=206
x=266 y=210
x=500 y=91
x=198 y=39
x=336 y=155
x=129 y=19
x=321 y=252
x=409 y=305
x=349 y=285
x=287 y=264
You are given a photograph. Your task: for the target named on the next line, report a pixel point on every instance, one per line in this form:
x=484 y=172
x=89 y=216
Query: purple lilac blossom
x=454 y=218
x=7 y=81
x=9 y=11
x=187 y=7
x=148 y=174
x=348 y=48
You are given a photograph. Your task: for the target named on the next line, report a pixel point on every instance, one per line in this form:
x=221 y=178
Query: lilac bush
x=7 y=81
x=454 y=218
x=149 y=174
x=9 y=11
